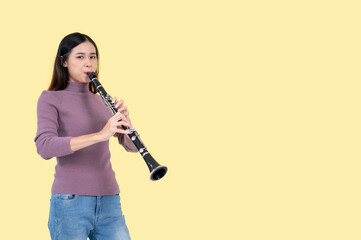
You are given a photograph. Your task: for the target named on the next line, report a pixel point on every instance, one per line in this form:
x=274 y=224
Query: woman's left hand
x=119 y=104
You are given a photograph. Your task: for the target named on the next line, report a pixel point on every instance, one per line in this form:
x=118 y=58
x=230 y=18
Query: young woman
x=74 y=126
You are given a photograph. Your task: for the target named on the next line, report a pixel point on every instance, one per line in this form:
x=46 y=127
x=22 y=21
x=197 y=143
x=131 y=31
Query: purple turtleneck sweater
x=72 y=112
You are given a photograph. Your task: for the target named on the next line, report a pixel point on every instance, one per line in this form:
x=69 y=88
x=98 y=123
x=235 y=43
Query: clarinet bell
x=156 y=170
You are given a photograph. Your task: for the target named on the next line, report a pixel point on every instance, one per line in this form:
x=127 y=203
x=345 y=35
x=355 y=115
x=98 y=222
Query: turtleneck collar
x=77 y=87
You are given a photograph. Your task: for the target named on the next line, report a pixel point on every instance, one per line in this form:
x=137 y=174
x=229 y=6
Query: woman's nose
x=88 y=62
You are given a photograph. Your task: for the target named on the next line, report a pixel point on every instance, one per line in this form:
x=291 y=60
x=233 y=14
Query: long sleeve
x=127 y=143
x=47 y=141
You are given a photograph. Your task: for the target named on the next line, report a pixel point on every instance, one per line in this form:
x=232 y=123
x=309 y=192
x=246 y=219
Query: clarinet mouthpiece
x=92 y=75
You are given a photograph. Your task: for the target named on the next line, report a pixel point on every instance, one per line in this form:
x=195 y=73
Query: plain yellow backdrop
x=252 y=105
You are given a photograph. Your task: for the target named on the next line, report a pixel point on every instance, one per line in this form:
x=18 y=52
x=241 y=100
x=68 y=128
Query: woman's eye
x=93 y=57
x=80 y=57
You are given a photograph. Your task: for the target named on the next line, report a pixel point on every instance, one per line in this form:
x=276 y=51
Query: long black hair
x=60 y=77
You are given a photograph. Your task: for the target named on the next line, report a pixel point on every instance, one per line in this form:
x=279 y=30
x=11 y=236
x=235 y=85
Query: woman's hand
x=112 y=127
x=119 y=104
x=114 y=124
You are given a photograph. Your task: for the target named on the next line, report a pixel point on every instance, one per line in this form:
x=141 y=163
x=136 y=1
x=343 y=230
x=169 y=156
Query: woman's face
x=81 y=61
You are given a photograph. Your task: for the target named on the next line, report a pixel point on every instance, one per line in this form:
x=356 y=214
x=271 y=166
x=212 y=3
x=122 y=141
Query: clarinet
x=156 y=170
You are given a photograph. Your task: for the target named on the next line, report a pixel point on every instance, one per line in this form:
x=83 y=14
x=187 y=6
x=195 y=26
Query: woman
x=75 y=126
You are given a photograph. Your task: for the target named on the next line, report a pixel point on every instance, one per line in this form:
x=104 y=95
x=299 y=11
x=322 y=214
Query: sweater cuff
x=127 y=143
x=65 y=143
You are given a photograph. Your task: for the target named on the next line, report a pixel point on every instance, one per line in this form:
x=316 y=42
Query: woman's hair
x=60 y=77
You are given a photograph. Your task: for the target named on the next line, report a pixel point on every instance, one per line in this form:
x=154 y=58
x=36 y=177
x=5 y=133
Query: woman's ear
x=62 y=62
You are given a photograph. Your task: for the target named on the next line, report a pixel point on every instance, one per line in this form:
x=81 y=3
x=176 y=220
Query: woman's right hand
x=113 y=126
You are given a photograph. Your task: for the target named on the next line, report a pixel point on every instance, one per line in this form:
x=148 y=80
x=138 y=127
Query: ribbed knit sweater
x=72 y=112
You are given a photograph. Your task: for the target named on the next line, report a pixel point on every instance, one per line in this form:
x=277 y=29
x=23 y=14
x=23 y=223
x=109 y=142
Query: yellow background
x=252 y=105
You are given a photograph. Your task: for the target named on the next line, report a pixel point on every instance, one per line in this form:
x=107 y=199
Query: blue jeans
x=75 y=217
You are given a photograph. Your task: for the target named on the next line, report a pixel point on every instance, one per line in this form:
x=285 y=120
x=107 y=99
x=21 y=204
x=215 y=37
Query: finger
x=119 y=117
x=116 y=117
x=119 y=125
x=118 y=105
x=115 y=100
x=124 y=117
x=126 y=113
x=121 y=102
x=122 y=109
x=123 y=123
x=119 y=130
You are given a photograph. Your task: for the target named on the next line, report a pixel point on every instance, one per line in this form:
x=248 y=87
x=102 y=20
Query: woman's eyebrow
x=93 y=53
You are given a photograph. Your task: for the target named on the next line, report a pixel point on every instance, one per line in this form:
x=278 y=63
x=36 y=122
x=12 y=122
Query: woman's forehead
x=84 y=48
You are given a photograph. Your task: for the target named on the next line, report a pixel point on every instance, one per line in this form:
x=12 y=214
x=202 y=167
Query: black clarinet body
x=156 y=170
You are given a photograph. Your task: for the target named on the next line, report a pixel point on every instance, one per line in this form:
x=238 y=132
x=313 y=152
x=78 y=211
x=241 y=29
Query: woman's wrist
x=98 y=137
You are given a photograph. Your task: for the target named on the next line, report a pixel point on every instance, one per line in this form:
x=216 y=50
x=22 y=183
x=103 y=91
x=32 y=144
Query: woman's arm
x=80 y=142
x=49 y=144
x=112 y=127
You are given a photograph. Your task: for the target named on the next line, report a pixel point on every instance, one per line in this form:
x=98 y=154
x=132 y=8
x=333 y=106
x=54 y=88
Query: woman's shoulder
x=53 y=97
